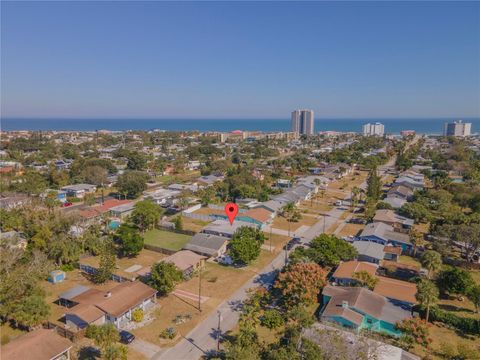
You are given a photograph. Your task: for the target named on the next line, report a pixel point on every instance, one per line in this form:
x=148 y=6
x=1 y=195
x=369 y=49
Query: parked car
x=357 y=221
x=294 y=241
x=225 y=260
x=67 y=204
x=126 y=337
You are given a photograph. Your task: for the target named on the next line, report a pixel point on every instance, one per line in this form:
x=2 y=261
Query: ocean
x=392 y=126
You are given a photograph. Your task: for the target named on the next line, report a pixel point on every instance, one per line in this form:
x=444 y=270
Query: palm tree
x=416 y=238
x=432 y=261
x=288 y=212
x=355 y=197
x=427 y=295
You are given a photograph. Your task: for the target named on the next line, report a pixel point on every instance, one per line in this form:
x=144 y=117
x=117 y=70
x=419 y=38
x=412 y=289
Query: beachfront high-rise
x=302 y=121
x=373 y=129
x=457 y=128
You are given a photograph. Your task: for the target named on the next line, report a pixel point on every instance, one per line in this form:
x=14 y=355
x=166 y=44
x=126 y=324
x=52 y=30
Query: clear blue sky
x=240 y=60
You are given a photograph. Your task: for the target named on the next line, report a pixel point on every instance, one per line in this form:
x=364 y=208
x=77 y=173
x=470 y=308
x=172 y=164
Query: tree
x=328 y=250
x=374 y=185
x=416 y=211
x=136 y=161
x=454 y=281
x=95 y=174
x=178 y=221
x=132 y=183
x=131 y=242
x=272 y=319
x=245 y=244
x=432 y=261
x=300 y=283
x=473 y=293
x=31 y=311
x=355 y=197
x=365 y=279
x=105 y=337
x=89 y=199
x=427 y=295
x=164 y=277
x=107 y=263
x=469 y=235
x=146 y=214
x=291 y=214
x=416 y=238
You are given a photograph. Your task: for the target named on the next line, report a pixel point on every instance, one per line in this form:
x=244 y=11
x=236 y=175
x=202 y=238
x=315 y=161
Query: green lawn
x=166 y=239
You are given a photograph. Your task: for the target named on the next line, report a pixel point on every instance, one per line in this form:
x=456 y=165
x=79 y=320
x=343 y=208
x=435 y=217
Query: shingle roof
x=40 y=344
x=206 y=244
x=370 y=249
x=184 y=259
x=396 y=289
x=259 y=214
x=346 y=269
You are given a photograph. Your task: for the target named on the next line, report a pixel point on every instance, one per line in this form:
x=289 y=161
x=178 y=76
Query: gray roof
x=370 y=249
x=123 y=208
x=224 y=227
x=394 y=202
x=271 y=205
x=385 y=232
x=73 y=292
x=206 y=244
x=365 y=301
x=78 y=187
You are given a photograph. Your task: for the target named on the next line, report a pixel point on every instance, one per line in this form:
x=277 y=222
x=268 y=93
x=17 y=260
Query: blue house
x=359 y=308
x=384 y=234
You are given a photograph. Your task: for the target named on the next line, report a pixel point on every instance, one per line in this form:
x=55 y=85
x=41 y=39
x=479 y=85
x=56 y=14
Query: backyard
x=166 y=239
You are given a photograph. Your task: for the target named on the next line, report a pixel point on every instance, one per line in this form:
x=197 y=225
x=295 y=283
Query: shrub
x=465 y=325
x=168 y=333
x=272 y=319
x=67 y=267
x=137 y=315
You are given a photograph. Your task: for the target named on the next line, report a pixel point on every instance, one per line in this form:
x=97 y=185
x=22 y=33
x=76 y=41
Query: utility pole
x=218 y=330
x=200 y=288
x=286 y=254
x=270 y=238
x=324 y=223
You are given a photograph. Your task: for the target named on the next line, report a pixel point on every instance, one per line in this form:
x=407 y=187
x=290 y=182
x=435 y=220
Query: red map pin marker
x=231 y=209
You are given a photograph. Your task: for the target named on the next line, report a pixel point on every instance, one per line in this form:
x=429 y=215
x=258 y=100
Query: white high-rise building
x=457 y=128
x=373 y=129
x=302 y=121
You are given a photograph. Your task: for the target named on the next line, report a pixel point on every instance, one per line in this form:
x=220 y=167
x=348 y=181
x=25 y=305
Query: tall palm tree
x=427 y=295
x=416 y=238
x=288 y=212
x=432 y=261
x=355 y=197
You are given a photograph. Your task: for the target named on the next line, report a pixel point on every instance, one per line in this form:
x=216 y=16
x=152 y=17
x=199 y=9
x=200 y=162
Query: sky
x=239 y=59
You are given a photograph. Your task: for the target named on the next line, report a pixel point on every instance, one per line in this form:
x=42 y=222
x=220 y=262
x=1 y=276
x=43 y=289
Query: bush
x=67 y=267
x=465 y=325
x=272 y=319
x=137 y=315
x=168 y=333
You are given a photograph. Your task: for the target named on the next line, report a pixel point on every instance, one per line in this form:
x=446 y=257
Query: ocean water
x=392 y=126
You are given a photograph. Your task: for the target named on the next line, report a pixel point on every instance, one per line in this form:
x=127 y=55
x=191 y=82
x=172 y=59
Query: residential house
x=273 y=206
x=394 y=202
x=399 y=292
x=257 y=216
x=123 y=210
x=182 y=187
x=400 y=192
x=92 y=306
x=343 y=274
x=79 y=190
x=41 y=344
x=162 y=197
x=186 y=261
x=9 y=201
x=384 y=234
x=398 y=222
x=208 y=180
x=392 y=253
x=359 y=308
x=208 y=245
x=224 y=228
x=369 y=251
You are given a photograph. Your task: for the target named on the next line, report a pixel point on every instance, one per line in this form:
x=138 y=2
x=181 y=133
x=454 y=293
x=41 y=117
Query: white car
x=225 y=260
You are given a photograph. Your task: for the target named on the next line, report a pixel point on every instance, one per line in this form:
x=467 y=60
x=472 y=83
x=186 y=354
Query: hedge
x=465 y=325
